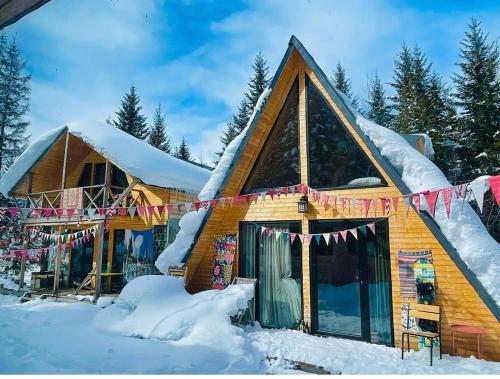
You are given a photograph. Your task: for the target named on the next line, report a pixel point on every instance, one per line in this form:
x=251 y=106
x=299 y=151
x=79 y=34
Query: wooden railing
x=95 y=196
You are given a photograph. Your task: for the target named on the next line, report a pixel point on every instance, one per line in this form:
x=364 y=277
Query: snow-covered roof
x=136 y=157
x=463 y=235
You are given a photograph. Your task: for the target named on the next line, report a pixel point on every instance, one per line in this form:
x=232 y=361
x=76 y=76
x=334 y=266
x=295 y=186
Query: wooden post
x=98 y=269
x=58 y=266
x=23 y=263
x=63 y=179
x=106 y=185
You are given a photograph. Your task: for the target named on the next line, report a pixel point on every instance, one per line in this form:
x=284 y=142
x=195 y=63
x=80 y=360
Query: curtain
x=279 y=294
x=247 y=251
x=380 y=306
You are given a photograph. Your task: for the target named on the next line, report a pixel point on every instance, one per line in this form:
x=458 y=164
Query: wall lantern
x=303 y=204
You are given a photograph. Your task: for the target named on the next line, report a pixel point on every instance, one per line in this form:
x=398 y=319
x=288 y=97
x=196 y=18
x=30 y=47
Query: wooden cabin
x=85 y=166
x=306 y=133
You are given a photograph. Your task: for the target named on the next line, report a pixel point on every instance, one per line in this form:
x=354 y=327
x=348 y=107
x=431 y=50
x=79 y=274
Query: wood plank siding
x=459 y=301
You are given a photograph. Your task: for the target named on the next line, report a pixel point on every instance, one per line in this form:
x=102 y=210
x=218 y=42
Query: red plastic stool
x=477 y=331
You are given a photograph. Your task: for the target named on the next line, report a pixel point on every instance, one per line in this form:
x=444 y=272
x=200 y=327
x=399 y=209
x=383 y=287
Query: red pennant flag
x=213 y=203
x=230 y=200
x=170 y=207
x=292 y=237
x=101 y=211
x=386 y=206
x=285 y=191
x=395 y=204
x=447 y=195
x=343 y=233
x=459 y=189
x=255 y=197
x=59 y=212
x=196 y=204
x=141 y=211
x=122 y=211
x=37 y=212
x=494 y=182
x=248 y=198
x=70 y=212
x=13 y=212
x=431 y=197
x=366 y=206
x=151 y=210
x=371 y=226
x=47 y=212
x=336 y=237
x=416 y=201
x=160 y=209
x=271 y=193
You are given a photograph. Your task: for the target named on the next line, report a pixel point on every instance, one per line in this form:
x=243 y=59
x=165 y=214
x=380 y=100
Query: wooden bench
x=422 y=312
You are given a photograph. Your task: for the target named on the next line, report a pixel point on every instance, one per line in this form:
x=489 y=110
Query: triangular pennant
x=336 y=237
x=70 y=212
x=102 y=211
x=151 y=210
x=160 y=209
x=222 y=201
x=248 y=198
x=230 y=200
x=416 y=201
x=301 y=238
x=317 y=237
x=262 y=196
x=395 y=204
x=291 y=190
x=406 y=202
x=122 y=211
x=271 y=194
x=132 y=211
x=366 y=206
x=459 y=190
x=188 y=206
x=386 y=206
x=371 y=226
x=333 y=201
x=170 y=209
x=255 y=197
x=25 y=212
x=292 y=237
x=354 y=232
x=13 y=212
x=447 y=195
x=141 y=211
x=343 y=233
x=239 y=200
x=309 y=238
x=431 y=197
x=477 y=188
x=277 y=234
x=262 y=230
x=285 y=190
x=214 y=203
x=197 y=205
x=327 y=237
x=47 y=212
x=494 y=182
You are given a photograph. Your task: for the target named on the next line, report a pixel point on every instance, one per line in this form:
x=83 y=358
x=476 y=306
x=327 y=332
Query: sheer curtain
x=279 y=294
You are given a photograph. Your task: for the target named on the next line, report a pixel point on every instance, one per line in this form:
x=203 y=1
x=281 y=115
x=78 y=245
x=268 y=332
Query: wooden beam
x=13 y=10
x=58 y=265
x=125 y=192
x=98 y=268
x=65 y=161
x=105 y=195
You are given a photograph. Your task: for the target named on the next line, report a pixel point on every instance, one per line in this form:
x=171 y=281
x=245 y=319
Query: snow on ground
x=156 y=327
x=191 y=222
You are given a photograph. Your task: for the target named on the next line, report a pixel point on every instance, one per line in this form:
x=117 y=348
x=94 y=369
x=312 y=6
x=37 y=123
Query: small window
x=278 y=163
x=335 y=159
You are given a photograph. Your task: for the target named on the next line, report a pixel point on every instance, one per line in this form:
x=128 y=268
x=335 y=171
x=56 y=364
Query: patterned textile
x=222 y=267
x=406 y=259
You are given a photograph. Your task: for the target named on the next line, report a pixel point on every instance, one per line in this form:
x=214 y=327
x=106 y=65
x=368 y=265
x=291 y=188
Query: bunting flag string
x=346 y=204
x=317 y=237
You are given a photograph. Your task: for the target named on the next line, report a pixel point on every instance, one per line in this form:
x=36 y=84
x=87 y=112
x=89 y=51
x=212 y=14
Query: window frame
x=259 y=156
x=384 y=184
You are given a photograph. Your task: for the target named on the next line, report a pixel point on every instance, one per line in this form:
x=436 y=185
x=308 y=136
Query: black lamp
x=303 y=204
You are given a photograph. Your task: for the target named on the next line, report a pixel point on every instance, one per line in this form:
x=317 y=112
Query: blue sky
x=194 y=57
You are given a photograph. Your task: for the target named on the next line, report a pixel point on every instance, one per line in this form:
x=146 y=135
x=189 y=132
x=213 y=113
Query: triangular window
x=335 y=158
x=278 y=163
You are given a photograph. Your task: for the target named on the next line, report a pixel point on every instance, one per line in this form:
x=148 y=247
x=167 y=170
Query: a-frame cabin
x=306 y=133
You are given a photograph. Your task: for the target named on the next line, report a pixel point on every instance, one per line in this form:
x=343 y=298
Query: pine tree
x=421 y=77
x=257 y=84
x=478 y=98
x=343 y=84
x=378 y=110
x=14 y=103
x=157 y=135
x=403 y=99
x=130 y=119
x=182 y=152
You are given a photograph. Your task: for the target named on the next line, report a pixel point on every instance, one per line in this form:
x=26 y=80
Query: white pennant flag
x=91 y=212
x=131 y=211
x=477 y=188
x=278 y=235
x=327 y=237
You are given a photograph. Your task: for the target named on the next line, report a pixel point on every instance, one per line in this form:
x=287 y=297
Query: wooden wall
x=459 y=301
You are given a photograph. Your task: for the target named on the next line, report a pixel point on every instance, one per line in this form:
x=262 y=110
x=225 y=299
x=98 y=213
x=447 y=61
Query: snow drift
x=158 y=307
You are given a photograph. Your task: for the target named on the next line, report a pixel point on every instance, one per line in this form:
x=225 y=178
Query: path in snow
x=46 y=337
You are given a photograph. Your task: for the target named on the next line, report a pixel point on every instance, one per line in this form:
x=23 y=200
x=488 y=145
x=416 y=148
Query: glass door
x=277 y=265
x=350 y=283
